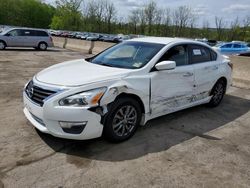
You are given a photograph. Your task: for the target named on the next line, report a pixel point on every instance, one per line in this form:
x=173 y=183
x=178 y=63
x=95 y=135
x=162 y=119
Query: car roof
x=240 y=43
x=164 y=40
x=23 y=28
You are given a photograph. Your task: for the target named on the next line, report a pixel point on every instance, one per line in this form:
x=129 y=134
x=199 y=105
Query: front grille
x=37 y=94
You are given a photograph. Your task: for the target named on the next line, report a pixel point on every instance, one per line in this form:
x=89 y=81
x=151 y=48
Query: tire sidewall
x=4 y=45
x=108 y=131
x=39 y=46
x=212 y=102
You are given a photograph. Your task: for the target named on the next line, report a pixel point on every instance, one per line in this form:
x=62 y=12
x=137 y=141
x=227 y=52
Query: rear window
x=200 y=54
x=42 y=33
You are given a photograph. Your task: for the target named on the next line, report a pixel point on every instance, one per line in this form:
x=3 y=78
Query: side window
x=227 y=46
x=179 y=54
x=14 y=33
x=237 y=46
x=41 y=33
x=199 y=54
x=27 y=33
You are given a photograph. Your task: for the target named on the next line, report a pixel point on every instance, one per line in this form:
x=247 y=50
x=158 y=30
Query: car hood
x=79 y=72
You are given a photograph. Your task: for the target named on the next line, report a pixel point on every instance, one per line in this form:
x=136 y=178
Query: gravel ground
x=197 y=147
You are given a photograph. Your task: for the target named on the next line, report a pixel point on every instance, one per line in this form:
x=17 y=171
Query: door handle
x=188 y=74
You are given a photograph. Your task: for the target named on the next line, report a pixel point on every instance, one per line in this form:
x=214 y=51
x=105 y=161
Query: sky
x=204 y=9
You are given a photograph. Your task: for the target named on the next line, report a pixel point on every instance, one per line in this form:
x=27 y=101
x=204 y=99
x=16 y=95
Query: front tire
x=217 y=93
x=122 y=120
x=2 y=45
x=42 y=46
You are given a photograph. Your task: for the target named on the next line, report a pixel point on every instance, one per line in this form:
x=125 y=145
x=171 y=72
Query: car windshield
x=128 y=55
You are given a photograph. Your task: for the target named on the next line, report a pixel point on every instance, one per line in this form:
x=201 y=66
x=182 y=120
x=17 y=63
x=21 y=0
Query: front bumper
x=46 y=119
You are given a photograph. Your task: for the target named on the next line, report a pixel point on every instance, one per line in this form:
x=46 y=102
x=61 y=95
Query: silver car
x=20 y=37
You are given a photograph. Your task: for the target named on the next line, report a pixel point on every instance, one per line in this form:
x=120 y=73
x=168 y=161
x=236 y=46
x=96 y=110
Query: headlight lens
x=87 y=98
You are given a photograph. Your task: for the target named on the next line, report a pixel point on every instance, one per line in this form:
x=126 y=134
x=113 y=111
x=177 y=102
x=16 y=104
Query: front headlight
x=86 y=98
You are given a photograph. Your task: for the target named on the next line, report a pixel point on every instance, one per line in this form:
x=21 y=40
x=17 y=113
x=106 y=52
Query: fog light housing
x=73 y=127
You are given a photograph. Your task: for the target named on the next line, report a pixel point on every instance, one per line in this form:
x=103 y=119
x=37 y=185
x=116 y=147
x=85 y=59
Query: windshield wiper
x=105 y=64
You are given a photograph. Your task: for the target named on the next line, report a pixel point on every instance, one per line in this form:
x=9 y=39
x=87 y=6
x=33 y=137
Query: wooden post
x=92 y=45
x=65 y=42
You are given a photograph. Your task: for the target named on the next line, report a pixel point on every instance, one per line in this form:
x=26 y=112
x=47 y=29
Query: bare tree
x=167 y=21
x=142 y=17
x=109 y=14
x=220 y=25
x=134 y=19
x=181 y=18
x=206 y=30
x=159 y=18
x=151 y=12
x=246 y=25
x=235 y=25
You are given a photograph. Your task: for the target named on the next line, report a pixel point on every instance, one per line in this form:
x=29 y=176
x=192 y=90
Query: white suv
x=114 y=92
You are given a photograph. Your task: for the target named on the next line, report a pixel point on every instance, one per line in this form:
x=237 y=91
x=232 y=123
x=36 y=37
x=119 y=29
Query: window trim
x=181 y=44
x=203 y=46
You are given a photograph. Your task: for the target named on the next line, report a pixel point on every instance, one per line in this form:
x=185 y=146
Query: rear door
x=238 y=48
x=206 y=69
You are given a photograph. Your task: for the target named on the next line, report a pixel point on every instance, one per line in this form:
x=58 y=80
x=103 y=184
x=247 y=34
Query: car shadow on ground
x=158 y=135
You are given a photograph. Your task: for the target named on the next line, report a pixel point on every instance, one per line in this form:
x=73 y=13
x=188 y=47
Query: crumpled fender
x=123 y=86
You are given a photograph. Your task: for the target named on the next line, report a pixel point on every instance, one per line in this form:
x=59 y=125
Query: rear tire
x=2 y=45
x=217 y=93
x=42 y=46
x=122 y=120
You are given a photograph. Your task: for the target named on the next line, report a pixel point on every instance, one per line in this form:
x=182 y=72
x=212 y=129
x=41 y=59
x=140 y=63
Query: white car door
x=206 y=69
x=172 y=89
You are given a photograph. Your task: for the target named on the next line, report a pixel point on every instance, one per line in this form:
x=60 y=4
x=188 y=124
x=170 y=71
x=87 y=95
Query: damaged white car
x=125 y=86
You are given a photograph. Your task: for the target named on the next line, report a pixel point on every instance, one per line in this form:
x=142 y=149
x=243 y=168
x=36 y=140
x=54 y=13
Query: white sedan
x=125 y=86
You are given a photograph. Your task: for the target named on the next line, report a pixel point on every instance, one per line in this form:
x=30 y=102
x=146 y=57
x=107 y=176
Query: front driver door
x=172 y=89
x=13 y=38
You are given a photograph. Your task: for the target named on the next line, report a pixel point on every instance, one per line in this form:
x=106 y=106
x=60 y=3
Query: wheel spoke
x=121 y=112
x=119 y=128
x=131 y=112
x=127 y=111
x=118 y=124
x=123 y=130
x=124 y=120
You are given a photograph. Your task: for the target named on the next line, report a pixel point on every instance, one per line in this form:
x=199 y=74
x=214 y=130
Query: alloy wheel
x=124 y=120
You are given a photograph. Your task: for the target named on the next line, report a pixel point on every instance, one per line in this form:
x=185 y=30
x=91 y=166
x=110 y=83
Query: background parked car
x=94 y=37
x=21 y=37
x=232 y=48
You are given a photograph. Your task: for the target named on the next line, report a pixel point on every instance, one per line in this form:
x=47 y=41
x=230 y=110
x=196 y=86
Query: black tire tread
x=108 y=130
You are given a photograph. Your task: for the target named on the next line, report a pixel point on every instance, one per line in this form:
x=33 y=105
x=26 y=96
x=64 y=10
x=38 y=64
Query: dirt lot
x=198 y=147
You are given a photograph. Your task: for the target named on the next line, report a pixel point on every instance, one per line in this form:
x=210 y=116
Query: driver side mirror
x=165 y=65
x=7 y=35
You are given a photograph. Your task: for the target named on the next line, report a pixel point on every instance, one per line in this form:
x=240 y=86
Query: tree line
x=102 y=16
